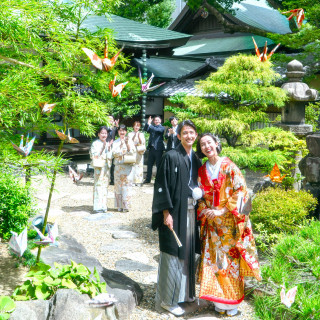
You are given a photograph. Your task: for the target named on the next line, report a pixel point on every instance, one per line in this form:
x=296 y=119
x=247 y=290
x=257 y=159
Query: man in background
x=155 y=144
x=112 y=131
x=171 y=134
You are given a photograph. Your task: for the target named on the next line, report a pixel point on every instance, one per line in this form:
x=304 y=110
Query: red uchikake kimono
x=228 y=251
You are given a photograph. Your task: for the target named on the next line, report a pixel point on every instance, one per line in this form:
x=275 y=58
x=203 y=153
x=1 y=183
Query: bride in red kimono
x=228 y=251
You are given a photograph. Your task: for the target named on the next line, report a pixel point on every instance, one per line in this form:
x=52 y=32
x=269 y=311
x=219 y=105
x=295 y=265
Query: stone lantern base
x=301 y=130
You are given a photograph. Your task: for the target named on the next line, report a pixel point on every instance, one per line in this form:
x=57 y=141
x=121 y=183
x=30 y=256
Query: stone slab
x=98 y=216
x=129 y=265
x=137 y=256
x=124 y=235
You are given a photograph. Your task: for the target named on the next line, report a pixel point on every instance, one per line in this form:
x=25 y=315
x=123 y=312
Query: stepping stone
x=124 y=235
x=136 y=256
x=122 y=245
x=129 y=265
x=114 y=228
x=98 y=216
x=79 y=213
x=191 y=307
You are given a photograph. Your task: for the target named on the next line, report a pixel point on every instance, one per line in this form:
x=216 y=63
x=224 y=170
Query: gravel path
x=71 y=208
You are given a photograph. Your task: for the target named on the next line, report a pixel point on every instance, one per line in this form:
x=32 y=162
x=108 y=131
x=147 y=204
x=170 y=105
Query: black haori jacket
x=171 y=192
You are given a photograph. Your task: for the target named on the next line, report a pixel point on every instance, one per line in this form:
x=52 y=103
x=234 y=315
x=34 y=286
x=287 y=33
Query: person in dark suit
x=155 y=144
x=171 y=134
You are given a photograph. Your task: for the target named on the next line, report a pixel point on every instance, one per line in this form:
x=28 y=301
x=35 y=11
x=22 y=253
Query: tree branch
x=14 y=61
x=231 y=28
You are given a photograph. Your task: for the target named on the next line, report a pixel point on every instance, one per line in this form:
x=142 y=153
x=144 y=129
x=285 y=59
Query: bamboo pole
x=49 y=199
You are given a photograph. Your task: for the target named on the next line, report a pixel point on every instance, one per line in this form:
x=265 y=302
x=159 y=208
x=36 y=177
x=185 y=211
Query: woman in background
x=99 y=150
x=124 y=153
x=228 y=251
x=140 y=144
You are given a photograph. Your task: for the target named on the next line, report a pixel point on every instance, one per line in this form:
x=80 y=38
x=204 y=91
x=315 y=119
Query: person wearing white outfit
x=122 y=150
x=99 y=150
x=139 y=142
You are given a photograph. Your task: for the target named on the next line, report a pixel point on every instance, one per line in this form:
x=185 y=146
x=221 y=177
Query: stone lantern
x=293 y=114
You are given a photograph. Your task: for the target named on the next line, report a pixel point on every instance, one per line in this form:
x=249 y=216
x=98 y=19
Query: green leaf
x=4 y=316
x=6 y=304
x=68 y=284
x=42 y=292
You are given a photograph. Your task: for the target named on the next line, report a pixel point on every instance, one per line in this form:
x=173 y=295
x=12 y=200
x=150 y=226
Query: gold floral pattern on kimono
x=138 y=166
x=101 y=176
x=228 y=251
x=123 y=174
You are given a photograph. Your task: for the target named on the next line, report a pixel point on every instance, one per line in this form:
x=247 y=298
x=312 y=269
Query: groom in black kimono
x=173 y=209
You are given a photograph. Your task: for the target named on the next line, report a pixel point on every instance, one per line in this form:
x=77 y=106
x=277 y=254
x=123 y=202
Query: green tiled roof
x=168 y=68
x=261 y=17
x=126 y=30
x=226 y=45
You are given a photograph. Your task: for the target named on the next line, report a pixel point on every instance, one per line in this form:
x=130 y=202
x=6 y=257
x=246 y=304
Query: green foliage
x=313 y=115
x=254 y=158
x=7 y=305
x=276 y=211
x=294 y=260
x=154 y=12
x=45 y=281
x=16 y=204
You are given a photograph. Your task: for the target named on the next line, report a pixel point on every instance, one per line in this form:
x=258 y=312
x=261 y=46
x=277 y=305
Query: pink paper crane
x=298 y=13
x=288 y=298
x=104 y=64
x=263 y=56
x=146 y=86
x=116 y=90
x=24 y=149
x=50 y=238
x=76 y=177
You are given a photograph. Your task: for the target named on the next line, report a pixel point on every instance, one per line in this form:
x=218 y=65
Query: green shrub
x=16 y=204
x=254 y=158
x=293 y=261
x=276 y=210
x=45 y=281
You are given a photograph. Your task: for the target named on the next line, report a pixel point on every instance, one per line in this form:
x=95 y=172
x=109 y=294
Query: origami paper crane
x=18 y=243
x=116 y=90
x=46 y=107
x=102 y=300
x=263 y=56
x=50 y=238
x=298 y=13
x=74 y=175
x=104 y=64
x=24 y=150
x=275 y=175
x=146 y=87
x=288 y=298
x=66 y=138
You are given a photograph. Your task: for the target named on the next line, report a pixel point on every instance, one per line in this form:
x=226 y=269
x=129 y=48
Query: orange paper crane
x=116 y=90
x=104 y=64
x=66 y=138
x=264 y=56
x=275 y=175
x=298 y=13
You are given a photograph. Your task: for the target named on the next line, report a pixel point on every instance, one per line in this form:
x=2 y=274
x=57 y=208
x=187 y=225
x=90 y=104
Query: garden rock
x=31 y=310
x=117 y=280
x=129 y=265
x=262 y=185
